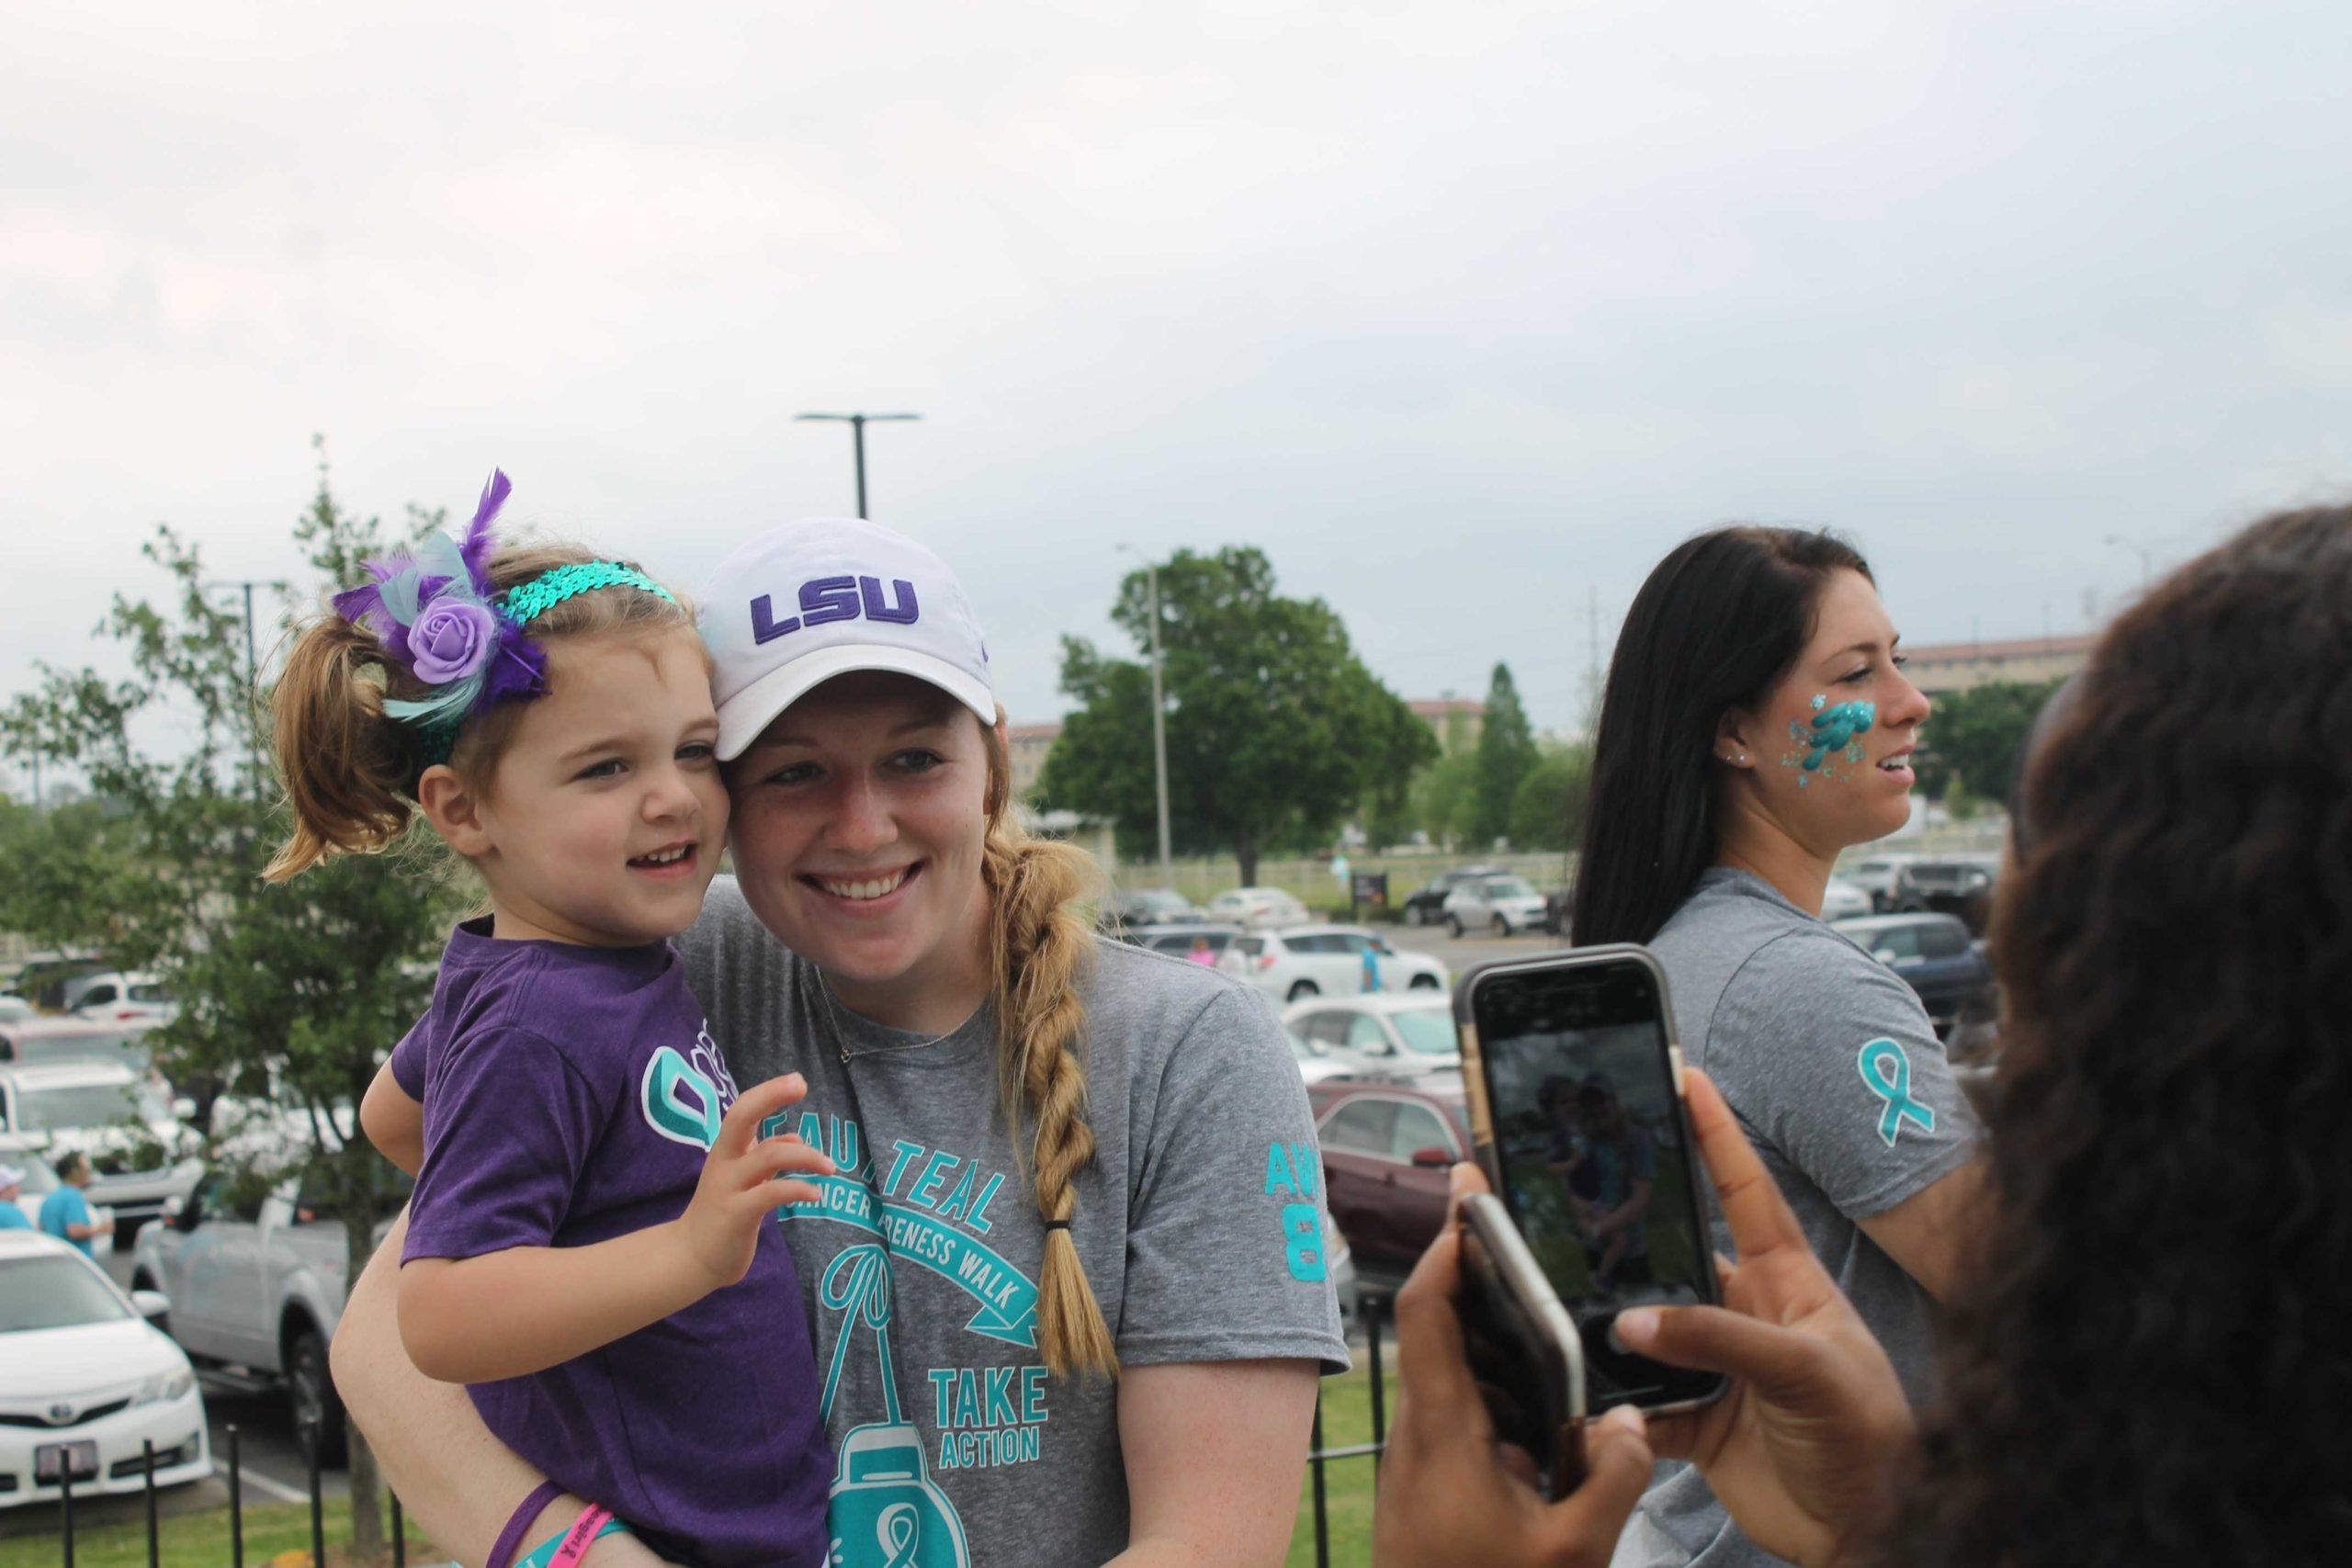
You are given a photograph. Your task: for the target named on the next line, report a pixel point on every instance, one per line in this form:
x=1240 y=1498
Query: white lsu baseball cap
x=805 y=602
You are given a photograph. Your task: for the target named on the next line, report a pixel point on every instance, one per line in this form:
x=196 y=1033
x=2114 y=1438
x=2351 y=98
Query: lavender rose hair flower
x=451 y=639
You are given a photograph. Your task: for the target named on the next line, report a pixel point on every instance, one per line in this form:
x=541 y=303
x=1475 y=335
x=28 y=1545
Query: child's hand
x=737 y=1192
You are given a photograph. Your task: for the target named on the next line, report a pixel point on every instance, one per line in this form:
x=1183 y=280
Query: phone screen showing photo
x=1595 y=1158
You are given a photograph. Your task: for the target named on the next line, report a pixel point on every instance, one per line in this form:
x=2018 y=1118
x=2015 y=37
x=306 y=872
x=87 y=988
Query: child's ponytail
x=347 y=768
x=358 y=724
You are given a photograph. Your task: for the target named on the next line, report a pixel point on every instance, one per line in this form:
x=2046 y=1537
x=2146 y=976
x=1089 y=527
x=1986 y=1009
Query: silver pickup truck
x=256 y=1288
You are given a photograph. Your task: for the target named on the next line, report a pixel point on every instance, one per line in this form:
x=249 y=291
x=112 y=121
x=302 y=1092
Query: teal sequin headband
x=441 y=623
x=526 y=602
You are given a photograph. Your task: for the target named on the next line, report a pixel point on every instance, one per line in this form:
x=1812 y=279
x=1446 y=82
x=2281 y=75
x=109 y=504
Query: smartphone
x=1575 y=1088
x=1523 y=1349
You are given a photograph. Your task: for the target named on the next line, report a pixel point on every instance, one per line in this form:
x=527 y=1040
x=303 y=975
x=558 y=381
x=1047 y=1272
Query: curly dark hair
x=2152 y=1362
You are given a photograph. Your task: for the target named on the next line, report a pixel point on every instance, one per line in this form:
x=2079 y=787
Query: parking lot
x=1459 y=954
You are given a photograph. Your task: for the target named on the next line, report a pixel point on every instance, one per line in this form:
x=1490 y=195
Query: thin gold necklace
x=841 y=1032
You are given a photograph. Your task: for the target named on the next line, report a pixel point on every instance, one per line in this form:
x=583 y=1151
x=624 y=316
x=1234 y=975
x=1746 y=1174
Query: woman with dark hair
x=2157 y=1320
x=2145 y=1361
x=1756 y=723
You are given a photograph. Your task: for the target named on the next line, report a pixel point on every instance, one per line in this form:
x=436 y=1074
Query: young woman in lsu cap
x=1068 y=1289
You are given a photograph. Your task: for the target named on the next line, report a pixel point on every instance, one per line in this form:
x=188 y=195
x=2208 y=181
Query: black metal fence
x=1372 y=1314
x=1372 y=1307
x=235 y=1477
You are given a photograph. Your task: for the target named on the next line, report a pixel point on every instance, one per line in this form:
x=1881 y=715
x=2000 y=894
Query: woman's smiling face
x=860 y=816
x=1827 y=752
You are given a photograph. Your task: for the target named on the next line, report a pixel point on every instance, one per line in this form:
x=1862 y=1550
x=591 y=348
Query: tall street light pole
x=252 y=684
x=857 y=422
x=1158 y=720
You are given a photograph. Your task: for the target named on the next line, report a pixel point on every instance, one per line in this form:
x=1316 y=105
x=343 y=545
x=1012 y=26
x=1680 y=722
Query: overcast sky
x=1463 y=312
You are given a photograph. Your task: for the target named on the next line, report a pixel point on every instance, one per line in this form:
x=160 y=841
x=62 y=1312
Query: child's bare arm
x=503 y=1315
x=393 y=1123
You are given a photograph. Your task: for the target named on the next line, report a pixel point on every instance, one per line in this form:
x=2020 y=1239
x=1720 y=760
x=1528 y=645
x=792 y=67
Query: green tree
x=1440 y=798
x=1401 y=748
x=290 y=994
x=1547 y=811
x=1976 y=737
x=70 y=872
x=1275 y=727
x=1506 y=753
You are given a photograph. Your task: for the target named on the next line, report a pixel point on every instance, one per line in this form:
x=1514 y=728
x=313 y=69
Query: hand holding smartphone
x=1574 y=1085
x=1522 y=1349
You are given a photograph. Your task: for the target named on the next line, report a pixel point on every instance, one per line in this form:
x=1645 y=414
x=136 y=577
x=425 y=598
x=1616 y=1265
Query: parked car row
x=1914 y=884
x=134 y=1137
x=255 y=1279
x=1934 y=954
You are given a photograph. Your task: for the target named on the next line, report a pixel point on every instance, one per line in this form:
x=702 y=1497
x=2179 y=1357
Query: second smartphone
x=1574 y=1086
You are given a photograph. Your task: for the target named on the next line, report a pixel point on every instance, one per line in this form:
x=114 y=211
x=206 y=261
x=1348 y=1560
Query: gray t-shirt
x=1200 y=1225
x=1841 y=1083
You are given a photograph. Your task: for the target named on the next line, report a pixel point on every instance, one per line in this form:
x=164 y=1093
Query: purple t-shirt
x=569 y=1096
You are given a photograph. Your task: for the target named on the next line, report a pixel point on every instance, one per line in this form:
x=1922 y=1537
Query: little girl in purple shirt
x=588 y=1248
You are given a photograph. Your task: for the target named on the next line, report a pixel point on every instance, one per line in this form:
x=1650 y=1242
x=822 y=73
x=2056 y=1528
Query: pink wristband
x=577 y=1539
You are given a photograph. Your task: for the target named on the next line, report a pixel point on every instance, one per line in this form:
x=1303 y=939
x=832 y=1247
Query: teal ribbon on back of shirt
x=1886 y=1069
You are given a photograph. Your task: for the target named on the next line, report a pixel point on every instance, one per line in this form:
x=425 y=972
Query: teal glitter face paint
x=1834 y=733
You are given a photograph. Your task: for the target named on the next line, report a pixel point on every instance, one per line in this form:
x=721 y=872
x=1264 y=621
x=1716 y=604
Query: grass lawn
x=1347 y=1483
x=201 y=1540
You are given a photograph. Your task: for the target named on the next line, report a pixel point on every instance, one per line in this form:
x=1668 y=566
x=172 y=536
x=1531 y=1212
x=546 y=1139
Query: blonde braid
x=1037 y=944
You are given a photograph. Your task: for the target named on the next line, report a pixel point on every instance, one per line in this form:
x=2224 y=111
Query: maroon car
x=1387 y=1142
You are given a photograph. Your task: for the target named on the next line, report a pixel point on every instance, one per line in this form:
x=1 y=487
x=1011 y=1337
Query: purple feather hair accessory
x=434 y=611
x=518 y=670
x=475 y=551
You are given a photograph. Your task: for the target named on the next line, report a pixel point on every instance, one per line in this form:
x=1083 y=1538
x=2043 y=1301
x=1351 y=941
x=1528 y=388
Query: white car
x=14 y=1006
x=1314 y=1063
x=137 y=1147
x=1411 y=1031
x=117 y=995
x=1844 y=900
x=1312 y=960
x=85 y=1381
x=1258 y=907
x=1505 y=905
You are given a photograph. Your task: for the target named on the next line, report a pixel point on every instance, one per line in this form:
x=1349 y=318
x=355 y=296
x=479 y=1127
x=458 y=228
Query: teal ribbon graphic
x=1887 y=1070
x=899 y=1532
x=914 y=1235
x=857 y=1285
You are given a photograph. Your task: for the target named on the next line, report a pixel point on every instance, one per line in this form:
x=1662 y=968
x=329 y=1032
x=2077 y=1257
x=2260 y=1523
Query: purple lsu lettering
x=824 y=599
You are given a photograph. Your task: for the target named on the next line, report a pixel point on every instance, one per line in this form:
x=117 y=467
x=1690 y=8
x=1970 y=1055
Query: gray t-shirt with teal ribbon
x=1200 y=1225
x=1843 y=1087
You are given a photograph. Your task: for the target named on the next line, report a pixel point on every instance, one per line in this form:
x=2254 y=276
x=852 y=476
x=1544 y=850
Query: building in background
x=1455 y=720
x=1029 y=744
x=1939 y=668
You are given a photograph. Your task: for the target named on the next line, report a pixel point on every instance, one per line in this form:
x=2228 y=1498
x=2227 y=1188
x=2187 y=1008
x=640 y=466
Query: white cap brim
x=753 y=709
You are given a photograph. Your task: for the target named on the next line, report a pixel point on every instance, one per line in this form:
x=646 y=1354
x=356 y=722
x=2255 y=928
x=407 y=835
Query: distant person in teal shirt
x=66 y=1213
x=12 y=1182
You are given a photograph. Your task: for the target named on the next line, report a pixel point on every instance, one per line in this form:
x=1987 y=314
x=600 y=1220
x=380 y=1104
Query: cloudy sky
x=1464 y=312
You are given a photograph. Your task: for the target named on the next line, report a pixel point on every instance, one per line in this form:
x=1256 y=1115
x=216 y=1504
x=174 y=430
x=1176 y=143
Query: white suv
x=1258 y=907
x=1326 y=961
x=1503 y=904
